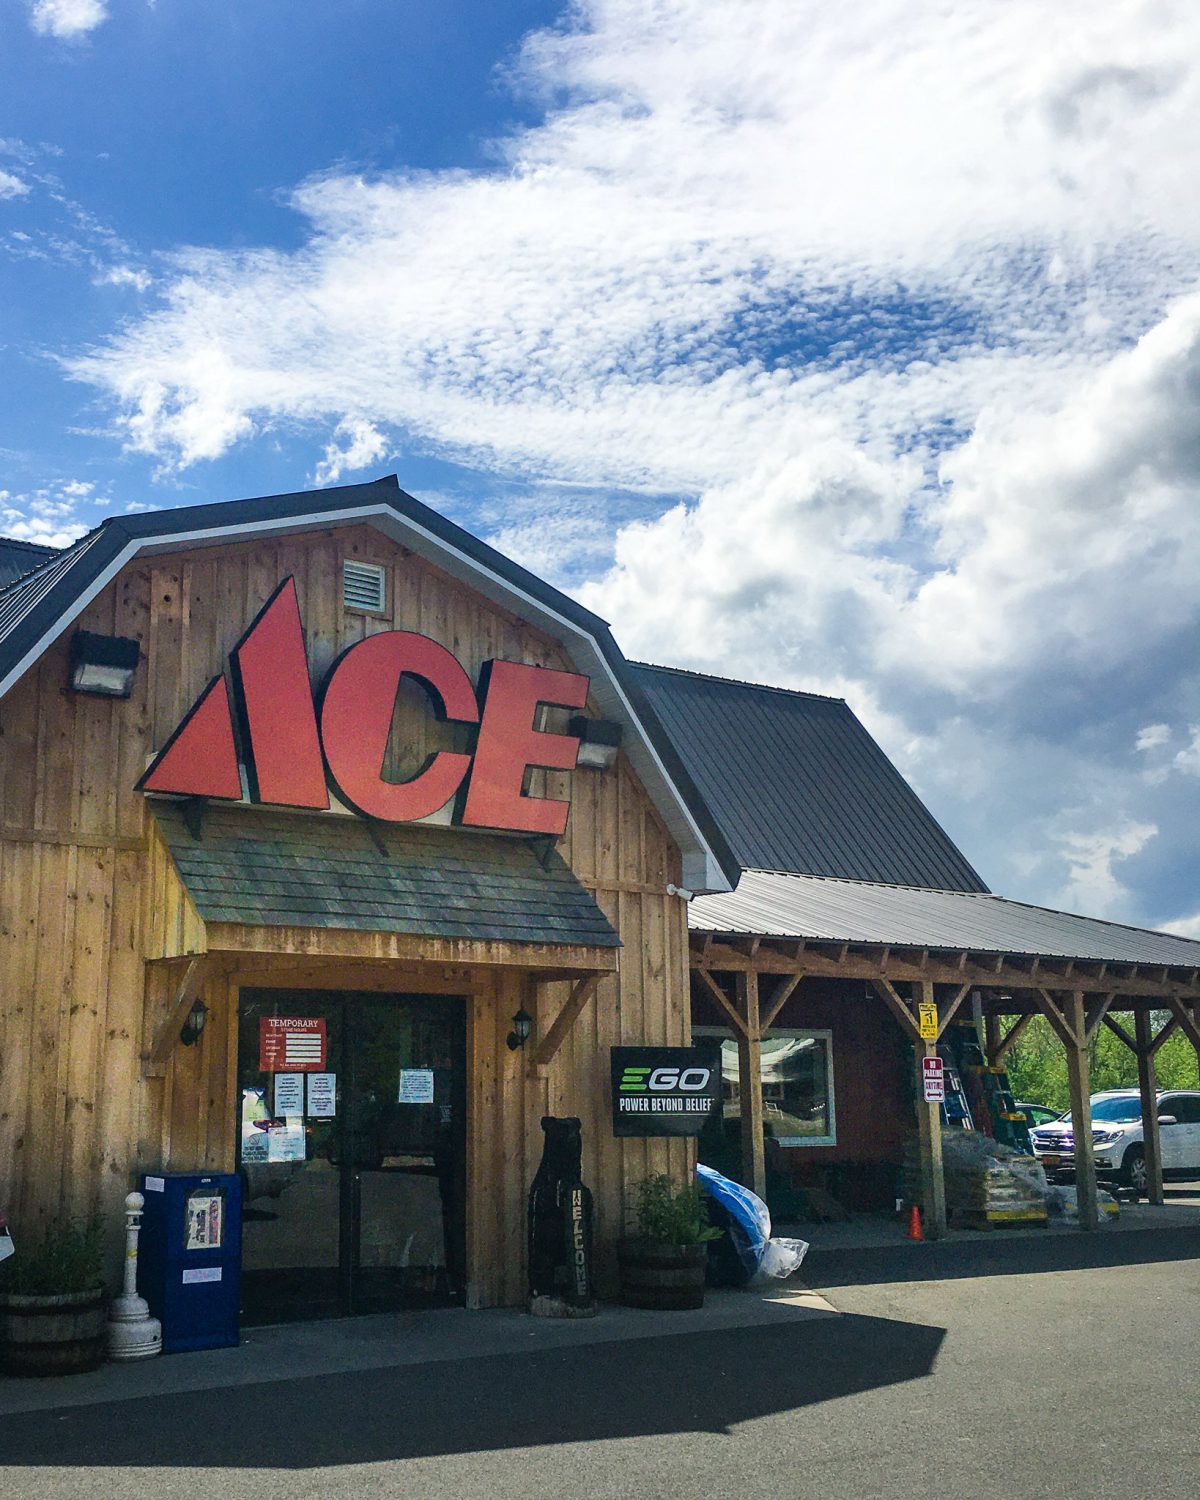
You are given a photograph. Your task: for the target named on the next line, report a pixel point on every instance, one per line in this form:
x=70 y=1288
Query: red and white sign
x=291 y=1044
x=933 y=1080
x=294 y=745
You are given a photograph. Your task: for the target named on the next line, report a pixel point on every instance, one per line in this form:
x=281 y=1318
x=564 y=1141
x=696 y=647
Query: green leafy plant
x=671 y=1214
x=68 y=1258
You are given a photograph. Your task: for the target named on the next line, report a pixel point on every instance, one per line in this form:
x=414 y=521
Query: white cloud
x=1093 y=886
x=1188 y=759
x=1153 y=737
x=1188 y=927
x=12 y=186
x=124 y=276
x=355 y=445
x=887 y=312
x=49 y=516
x=67 y=19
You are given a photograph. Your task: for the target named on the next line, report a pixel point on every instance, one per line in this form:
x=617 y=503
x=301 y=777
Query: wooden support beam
x=903 y=1014
x=782 y=994
x=1118 y=1030
x=1148 y=1088
x=929 y=1132
x=166 y=1038
x=754 y=1158
x=1075 y=1027
x=721 y=999
x=581 y=992
x=1000 y=1049
x=1165 y=1033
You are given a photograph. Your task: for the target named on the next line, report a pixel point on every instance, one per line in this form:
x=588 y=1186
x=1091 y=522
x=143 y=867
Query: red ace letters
x=293 y=746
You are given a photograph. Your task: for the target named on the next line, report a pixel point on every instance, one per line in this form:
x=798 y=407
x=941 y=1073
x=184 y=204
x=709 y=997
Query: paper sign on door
x=322 y=1096
x=416 y=1086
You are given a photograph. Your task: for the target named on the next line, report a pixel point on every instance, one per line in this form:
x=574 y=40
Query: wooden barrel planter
x=663 y=1277
x=61 y=1335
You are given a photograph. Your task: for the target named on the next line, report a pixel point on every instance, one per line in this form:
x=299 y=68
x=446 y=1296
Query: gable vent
x=364 y=586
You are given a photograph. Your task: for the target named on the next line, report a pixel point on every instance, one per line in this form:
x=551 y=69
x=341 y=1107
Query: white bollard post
x=132 y=1332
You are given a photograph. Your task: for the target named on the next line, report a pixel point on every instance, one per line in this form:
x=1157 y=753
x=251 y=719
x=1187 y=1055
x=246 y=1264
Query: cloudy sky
x=852 y=348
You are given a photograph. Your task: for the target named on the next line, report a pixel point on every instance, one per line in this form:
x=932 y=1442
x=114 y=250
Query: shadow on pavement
x=701 y=1382
x=1031 y=1253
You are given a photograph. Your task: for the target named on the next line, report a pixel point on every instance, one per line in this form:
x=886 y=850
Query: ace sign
x=295 y=744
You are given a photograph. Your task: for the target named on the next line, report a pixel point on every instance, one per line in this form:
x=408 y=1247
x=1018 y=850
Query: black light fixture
x=522 y=1026
x=193 y=1024
x=599 y=741
x=103 y=664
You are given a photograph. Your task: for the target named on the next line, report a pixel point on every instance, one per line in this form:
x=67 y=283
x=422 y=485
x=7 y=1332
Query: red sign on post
x=933 y=1080
x=291 y=1044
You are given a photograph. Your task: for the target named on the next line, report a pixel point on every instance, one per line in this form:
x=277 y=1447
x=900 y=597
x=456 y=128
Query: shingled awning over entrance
x=286 y=870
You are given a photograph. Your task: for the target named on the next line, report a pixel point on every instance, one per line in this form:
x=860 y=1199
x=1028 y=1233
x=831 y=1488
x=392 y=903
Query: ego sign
x=664 y=1090
x=296 y=745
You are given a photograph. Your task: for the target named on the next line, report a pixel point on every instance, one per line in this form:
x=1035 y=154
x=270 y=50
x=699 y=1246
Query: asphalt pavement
x=1059 y=1366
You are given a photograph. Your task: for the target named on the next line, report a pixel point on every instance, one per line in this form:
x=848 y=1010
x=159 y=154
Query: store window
x=797 y=1085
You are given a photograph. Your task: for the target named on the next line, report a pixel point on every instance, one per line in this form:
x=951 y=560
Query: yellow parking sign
x=927 y=1021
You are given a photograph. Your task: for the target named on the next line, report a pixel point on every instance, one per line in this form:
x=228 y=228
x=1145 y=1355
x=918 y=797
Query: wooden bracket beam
x=1165 y=1034
x=1186 y=1021
x=722 y=1000
x=1118 y=1030
x=1094 y=1014
x=1058 y=1021
x=581 y=992
x=887 y=993
x=951 y=1010
x=783 y=993
x=154 y=1060
x=999 y=1052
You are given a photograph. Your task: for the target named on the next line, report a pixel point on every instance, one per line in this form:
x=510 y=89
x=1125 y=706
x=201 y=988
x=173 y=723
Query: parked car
x=1038 y=1114
x=1117 y=1140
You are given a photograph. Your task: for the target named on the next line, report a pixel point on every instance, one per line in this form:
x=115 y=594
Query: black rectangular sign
x=664 y=1090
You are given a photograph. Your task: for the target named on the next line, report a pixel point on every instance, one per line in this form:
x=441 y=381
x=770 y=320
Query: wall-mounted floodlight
x=599 y=741
x=103 y=664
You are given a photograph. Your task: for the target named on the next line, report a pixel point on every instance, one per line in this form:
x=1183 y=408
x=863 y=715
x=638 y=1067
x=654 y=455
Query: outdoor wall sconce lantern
x=599 y=741
x=103 y=664
x=193 y=1024
x=522 y=1026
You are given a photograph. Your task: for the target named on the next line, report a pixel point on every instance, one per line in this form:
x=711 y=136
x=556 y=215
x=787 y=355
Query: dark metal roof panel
x=18 y=558
x=843 y=911
x=284 y=870
x=797 y=784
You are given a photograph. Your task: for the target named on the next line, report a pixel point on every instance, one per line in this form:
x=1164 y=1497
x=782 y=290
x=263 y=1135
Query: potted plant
x=52 y=1302
x=663 y=1265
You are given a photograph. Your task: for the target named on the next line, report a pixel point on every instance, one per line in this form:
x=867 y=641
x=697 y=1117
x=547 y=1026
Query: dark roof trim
x=34 y=612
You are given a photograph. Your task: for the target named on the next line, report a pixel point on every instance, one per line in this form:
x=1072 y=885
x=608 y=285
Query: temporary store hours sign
x=296 y=746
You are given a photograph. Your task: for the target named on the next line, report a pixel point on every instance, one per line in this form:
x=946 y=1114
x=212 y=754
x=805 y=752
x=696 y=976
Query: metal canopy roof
x=285 y=870
x=796 y=783
x=847 y=911
x=18 y=558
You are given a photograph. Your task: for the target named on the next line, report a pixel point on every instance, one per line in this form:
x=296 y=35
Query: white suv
x=1117 y=1138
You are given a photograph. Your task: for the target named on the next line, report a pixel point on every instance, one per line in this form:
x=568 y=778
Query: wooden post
x=754 y=1161
x=1148 y=1084
x=1078 y=1073
x=929 y=1127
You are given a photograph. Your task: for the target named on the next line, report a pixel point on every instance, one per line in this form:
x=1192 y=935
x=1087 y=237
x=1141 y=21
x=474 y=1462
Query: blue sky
x=854 y=349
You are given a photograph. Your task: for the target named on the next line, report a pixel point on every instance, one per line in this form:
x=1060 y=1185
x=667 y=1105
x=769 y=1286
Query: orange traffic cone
x=915 y=1231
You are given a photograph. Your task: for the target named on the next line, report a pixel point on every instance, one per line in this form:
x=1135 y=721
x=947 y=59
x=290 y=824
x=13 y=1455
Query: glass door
x=352 y=1151
x=406 y=1108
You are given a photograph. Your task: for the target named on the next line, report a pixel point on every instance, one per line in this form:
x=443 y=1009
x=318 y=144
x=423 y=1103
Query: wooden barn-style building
x=336 y=850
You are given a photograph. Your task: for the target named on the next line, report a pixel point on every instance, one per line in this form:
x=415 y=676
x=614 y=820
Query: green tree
x=1037 y=1064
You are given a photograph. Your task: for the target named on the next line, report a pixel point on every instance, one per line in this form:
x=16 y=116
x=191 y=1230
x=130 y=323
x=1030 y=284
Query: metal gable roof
x=18 y=558
x=797 y=784
x=38 y=609
x=846 y=911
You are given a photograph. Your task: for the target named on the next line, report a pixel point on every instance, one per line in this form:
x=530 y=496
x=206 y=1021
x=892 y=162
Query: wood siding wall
x=87 y=896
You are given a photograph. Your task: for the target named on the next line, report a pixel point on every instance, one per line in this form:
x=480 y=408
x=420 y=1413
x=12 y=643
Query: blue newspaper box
x=190 y=1256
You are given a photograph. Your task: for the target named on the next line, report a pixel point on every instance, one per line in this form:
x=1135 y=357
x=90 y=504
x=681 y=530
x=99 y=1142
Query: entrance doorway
x=352 y=1151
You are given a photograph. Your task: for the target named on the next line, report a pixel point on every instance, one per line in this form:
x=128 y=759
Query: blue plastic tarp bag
x=746 y=1221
